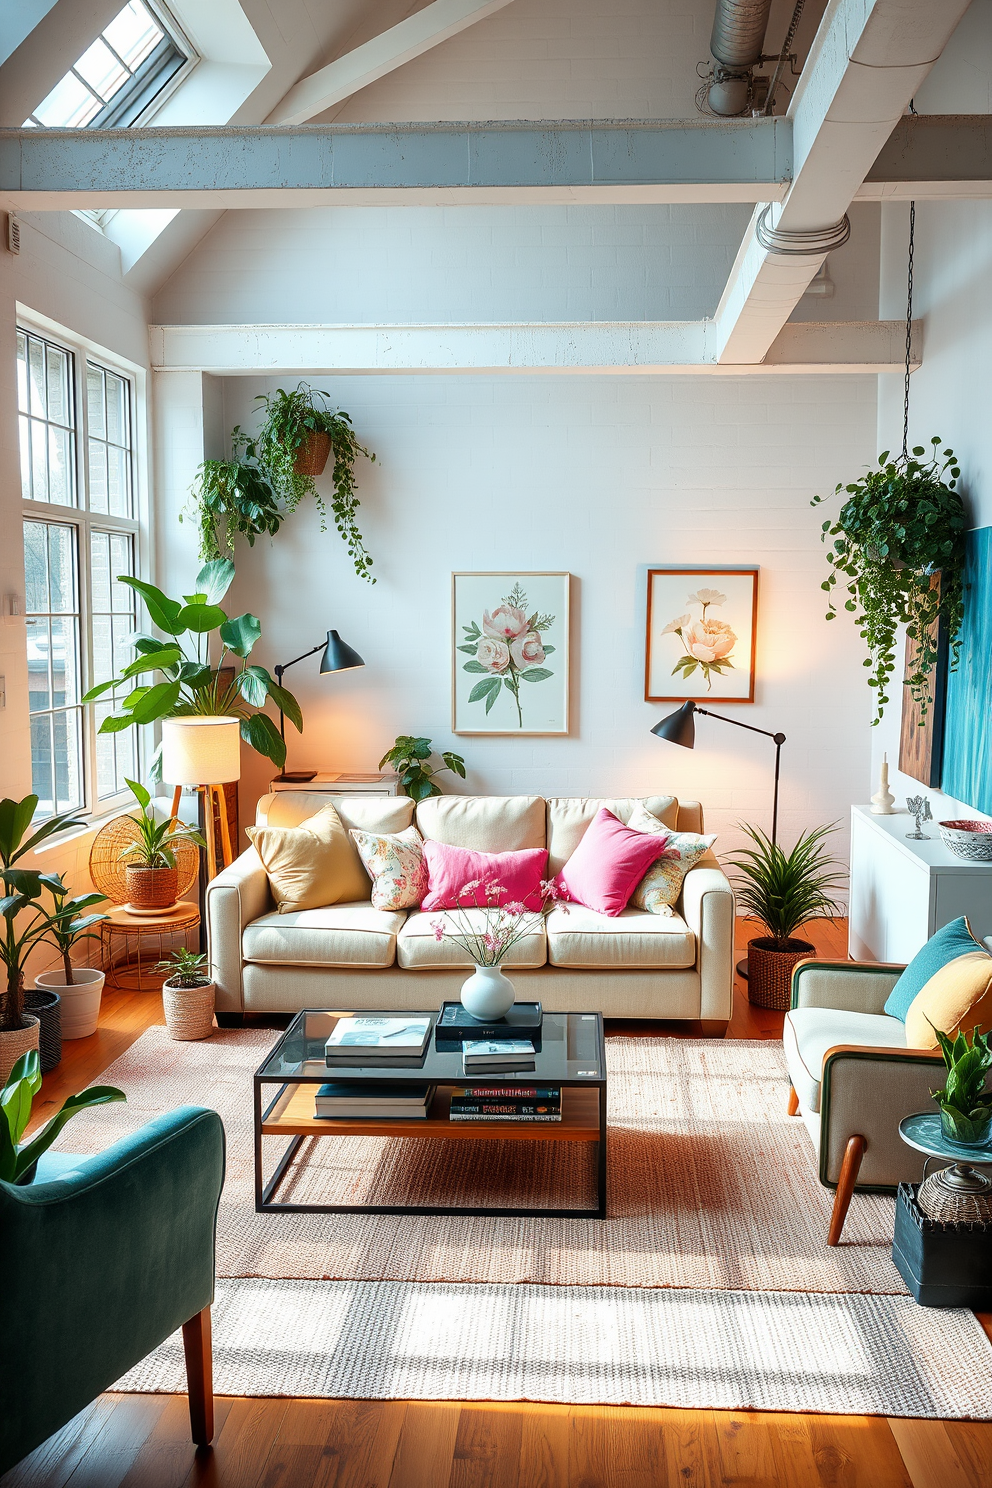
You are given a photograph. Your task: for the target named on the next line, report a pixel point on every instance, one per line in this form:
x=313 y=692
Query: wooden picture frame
x=510 y=653
x=700 y=634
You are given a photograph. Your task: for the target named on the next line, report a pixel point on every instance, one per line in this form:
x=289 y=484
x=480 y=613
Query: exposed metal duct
x=737 y=41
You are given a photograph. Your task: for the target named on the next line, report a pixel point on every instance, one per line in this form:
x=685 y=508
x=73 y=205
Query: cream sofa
x=636 y=965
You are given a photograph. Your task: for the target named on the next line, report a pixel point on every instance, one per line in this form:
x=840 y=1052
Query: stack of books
x=497 y=1054
x=506 y=1103
x=375 y=1100
x=371 y=1041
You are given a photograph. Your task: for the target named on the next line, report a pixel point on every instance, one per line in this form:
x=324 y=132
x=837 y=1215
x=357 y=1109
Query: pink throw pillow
x=451 y=868
x=608 y=864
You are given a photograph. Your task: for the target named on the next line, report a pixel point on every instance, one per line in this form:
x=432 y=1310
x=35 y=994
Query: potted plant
x=783 y=891
x=410 y=758
x=150 y=867
x=965 y=1103
x=193 y=687
x=22 y=1083
x=898 y=545
x=299 y=433
x=187 y=995
x=234 y=496
x=78 y=988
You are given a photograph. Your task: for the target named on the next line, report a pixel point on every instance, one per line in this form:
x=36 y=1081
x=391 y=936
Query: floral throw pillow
x=661 y=886
x=396 y=865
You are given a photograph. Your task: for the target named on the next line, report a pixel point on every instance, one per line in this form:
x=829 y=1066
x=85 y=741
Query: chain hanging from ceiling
x=909 y=318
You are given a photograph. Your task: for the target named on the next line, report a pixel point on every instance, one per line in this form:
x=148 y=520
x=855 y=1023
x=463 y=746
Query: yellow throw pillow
x=959 y=995
x=311 y=865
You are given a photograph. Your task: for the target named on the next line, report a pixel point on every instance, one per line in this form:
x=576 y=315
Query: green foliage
x=234 y=496
x=17 y=1158
x=965 y=1103
x=156 y=839
x=185 y=969
x=902 y=526
x=410 y=758
x=68 y=922
x=785 y=890
x=193 y=687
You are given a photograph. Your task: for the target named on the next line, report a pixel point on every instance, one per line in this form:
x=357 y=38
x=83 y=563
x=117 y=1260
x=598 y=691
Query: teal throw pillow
x=951 y=940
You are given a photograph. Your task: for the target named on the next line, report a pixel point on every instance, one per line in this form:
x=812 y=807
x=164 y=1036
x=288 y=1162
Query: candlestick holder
x=883 y=800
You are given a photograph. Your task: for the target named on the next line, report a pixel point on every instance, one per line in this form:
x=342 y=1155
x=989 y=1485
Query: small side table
x=942 y=1251
x=924 y=1132
x=377 y=783
x=132 y=944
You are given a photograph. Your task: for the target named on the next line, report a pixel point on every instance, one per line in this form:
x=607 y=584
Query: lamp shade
x=201 y=751
x=338 y=655
x=678 y=727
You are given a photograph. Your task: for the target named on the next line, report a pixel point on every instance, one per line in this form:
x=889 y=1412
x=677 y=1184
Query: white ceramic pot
x=487 y=993
x=16 y=1043
x=80 y=1002
x=189 y=1011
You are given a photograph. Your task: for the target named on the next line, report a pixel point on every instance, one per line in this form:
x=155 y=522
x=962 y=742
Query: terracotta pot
x=312 y=455
x=189 y=1011
x=769 y=971
x=151 y=888
x=16 y=1043
x=80 y=1002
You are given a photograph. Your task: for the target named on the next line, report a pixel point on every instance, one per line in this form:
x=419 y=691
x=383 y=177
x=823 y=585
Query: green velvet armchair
x=101 y=1259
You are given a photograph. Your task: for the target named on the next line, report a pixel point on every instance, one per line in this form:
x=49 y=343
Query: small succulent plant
x=185 y=969
x=965 y=1103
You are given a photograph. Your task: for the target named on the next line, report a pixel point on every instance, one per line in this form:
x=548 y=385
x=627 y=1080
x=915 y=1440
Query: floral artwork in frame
x=701 y=626
x=510 y=653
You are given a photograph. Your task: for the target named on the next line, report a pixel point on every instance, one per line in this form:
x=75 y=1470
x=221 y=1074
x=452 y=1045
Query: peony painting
x=700 y=635
x=510 y=653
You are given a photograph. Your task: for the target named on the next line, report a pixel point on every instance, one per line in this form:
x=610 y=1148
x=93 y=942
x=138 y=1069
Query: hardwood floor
x=142 y=1441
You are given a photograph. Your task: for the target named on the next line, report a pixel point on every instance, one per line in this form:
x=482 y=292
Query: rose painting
x=510 y=649
x=700 y=634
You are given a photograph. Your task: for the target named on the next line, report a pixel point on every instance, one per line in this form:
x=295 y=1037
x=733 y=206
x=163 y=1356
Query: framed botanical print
x=701 y=625
x=510 y=653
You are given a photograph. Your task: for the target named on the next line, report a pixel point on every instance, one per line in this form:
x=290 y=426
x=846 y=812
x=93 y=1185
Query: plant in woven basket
x=156 y=840
x=185 y=970
x=410 y=758
x=965 y=1102
x=786 y=890
x=193 y=686
x=17 y=1158
x=300 y=430
x=898 y=545
x=232 y=497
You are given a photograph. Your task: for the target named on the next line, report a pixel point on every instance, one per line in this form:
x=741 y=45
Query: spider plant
x=785 y=890
x=185 y=969
x=156 y=839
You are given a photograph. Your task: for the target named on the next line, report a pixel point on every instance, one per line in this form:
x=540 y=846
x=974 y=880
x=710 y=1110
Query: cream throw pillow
x=661 y=886
x=312 y=865
x=959 y=995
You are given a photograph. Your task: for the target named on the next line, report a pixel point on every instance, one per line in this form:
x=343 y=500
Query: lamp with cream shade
x=203 y=752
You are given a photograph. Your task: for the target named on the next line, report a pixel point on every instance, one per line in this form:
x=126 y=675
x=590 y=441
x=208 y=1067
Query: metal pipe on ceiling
x=736 y=44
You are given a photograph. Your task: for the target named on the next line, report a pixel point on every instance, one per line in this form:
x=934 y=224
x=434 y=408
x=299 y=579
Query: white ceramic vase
x=80 y=1002
x=487 y=993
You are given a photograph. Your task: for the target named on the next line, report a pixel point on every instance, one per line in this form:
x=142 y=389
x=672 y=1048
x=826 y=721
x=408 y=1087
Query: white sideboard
x=375 y=784
x=902 y=891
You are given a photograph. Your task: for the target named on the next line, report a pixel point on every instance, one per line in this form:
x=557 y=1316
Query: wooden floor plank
x=243 y=1440
x=52 y=1464
x=426 y=1446
x=942 y=1454
x=487 y=1447
x=131 y=1422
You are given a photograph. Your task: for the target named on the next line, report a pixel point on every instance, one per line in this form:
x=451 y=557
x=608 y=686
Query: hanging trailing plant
x=902 y=526
x=231 y=497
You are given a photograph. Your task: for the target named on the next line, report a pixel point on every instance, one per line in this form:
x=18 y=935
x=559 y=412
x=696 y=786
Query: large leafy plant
x=898 y=547
x=17 y=1158
x=785 y=890
x=410 y=758
x=233 y=497
x=153 y=847
x=68 y=921
x=194 y=684
x=965 y=1103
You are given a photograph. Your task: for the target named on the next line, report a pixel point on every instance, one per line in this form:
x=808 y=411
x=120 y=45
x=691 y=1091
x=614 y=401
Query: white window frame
x=82 y=350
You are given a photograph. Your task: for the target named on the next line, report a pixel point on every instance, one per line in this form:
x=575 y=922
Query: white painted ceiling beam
x=372 y=60
x=933 y=157
x=867 y=60
x=582 y=348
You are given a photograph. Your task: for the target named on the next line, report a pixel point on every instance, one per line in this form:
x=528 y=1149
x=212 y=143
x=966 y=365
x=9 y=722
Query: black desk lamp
x=338 y=657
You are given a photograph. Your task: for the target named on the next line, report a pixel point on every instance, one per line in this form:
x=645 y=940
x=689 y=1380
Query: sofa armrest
x=238 y=895
x=866 y=1091
x=850 y=986
x=708 y=909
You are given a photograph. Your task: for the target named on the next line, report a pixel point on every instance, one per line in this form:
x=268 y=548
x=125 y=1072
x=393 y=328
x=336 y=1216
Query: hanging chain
x=909 y=319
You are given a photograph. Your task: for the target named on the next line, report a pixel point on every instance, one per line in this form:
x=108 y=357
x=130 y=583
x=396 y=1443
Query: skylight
x=118 y=77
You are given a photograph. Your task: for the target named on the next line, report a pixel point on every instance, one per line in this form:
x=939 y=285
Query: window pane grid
x=109 y=453
x=54 y=683
x=114 y=621
x=46 y=420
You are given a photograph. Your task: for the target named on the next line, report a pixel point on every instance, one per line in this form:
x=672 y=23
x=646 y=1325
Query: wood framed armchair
x=102 y=1259
x=853 y=1078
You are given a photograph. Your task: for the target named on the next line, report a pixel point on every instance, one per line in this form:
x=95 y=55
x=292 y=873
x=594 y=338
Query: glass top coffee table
x=571 y=1054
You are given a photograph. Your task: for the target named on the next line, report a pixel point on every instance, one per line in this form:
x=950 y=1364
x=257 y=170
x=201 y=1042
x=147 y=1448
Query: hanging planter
x=313 y=454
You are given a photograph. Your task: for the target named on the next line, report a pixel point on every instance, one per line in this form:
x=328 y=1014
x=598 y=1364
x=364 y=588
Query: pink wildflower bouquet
x=503 y=925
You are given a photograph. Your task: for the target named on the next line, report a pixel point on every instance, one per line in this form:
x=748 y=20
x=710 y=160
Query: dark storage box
x=944 y=1265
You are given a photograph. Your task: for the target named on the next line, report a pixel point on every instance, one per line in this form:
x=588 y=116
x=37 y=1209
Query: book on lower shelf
x=373 y=1040
x=506 y=1103
x=372 y=1099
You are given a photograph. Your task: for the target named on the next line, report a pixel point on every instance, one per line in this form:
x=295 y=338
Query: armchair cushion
x=950 y=941
x=959 y=995
x=810 y=1031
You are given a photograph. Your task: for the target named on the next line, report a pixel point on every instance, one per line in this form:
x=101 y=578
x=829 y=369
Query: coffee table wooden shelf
x=572 y=1054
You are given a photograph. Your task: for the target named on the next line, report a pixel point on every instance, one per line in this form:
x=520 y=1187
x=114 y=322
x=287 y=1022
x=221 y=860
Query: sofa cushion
x=451 y=870
x=958 y=997
x=608 y=864
x=946 y=944
x=310 y=865
x=809 y=1032
x=418 y=948
x=580 y=937
x=340 y=935
x=484 y=823
x=396 y=865
x=569 y=816
x=661 y=886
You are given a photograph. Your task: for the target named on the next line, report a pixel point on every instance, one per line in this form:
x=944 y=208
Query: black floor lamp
x=338 y=657
x=679 y=728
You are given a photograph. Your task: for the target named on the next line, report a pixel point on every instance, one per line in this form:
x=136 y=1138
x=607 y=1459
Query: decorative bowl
x=969 y=839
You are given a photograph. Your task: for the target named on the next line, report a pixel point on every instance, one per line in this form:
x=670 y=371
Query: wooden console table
x=326 y=783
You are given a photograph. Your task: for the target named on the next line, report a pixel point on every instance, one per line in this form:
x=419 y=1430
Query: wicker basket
x=151 y=888
x=769 y=972
x=16 y=1043
x=109 y=870
x=189 y=1011
x=312 y=455
x=46 y=1006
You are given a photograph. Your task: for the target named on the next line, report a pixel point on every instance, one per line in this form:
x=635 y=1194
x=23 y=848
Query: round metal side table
x=132 y=944
x=955 y=1192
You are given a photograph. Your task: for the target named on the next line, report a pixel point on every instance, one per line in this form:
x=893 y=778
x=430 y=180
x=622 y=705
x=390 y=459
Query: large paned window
x=76 y=426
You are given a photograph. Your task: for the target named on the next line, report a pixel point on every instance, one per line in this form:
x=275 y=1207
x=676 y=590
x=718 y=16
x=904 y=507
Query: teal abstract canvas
x=967 y=769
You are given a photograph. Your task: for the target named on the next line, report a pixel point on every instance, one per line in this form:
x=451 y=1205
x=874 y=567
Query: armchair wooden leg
x=850 y=1168
x=200 y=1377
x=793 y=1101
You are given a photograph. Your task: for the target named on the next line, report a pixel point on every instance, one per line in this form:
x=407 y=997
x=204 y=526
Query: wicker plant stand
x=133 y=944
x=769 y=972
